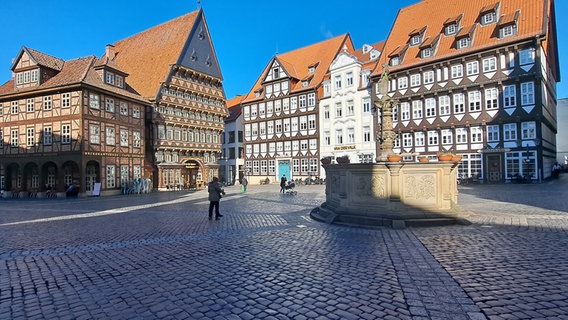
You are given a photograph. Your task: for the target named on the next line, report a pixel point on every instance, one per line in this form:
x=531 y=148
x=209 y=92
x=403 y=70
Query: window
x=444 y=105
x=415 y=80
x=327 y=138
x=450 y=29
x=351 y=135
x=337 y=81
x=66 y=134
x=94 y=102
x=123 y=108
x=527 y=93
x=136 y=112
x=311 y=99
x=419 y=139
x=136 y=139
x=350 y=108
x=349 y=79
x=110 y=177
x=109 y=105
x=30 y=137
x=474 y=99
x=14 y=109
x=119 y=81
x=47 y=103
x=311 y=121
x=65 y=100
x=459 y=103
x=47 y=136
x=426 y=52
x=395 y=61
x=489 y=64
x=405 y=111
x=461 y=135
x=457 y=71
x=124 y=137
x=110 y=78
x=507 y=31
x=403 y=83
x=526 y=56
x=366 y=105
x=447 y=136
x=472 y=68
x=417 y=109
x=14 y=138
x=338 y=110
x=463 y=43
x=366 y=134
x=510 y=131
x=407 y=139
x=493 y=133
x=433 y=138
x=476 y=134
x=30 y=105
x=528 y=130
x=430 y=107
x=488 y=18
x=509 y=96
x=338 y=136
x=428 y=77
x=110 y=136
x=415 y=40
x=491 y=98
x=95 y=133
x=302 y=101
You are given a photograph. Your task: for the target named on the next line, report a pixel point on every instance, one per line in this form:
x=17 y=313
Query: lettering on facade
x=344 y=148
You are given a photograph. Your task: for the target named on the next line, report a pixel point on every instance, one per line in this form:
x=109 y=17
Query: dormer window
x=450 y=29
x=416 y=36
x=463 y=43
x=428 y=46
x=488 y=14
x=119 y=81
x=488 y=18
x=109 y=78
x=305 y=83
x=312 y=67
x=508 y=24
x=395 y=61
x=311 y=70
x=426 y=52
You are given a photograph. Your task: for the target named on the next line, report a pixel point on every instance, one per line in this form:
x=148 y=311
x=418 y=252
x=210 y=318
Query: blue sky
x=246 y=33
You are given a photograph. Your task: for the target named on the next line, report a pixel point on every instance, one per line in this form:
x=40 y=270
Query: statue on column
x=384 y=134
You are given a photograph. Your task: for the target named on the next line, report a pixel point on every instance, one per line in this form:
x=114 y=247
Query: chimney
x=110 y=51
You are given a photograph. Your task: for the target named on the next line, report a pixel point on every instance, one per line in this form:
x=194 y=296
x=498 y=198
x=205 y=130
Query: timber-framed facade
x=478 y=80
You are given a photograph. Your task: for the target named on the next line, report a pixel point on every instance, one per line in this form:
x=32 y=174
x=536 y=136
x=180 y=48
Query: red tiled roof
x=234 y=105
x=434 y=14
x=148 y=55
x=43 y=59
x=296 y=63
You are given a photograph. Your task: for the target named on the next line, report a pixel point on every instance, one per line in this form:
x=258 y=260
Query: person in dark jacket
x=283 y=184
x=215 y=193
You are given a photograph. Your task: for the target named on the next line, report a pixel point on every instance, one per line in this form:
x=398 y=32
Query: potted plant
x=393 y=157
x=445 y=156
x=423 y=159
x=342 y=159
x=325 y=160
x=456 y=158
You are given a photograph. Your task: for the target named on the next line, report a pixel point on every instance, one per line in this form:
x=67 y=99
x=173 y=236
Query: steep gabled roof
x=42 y=59
x=296 y=64
x=148 y=55
x=435 y=14
x=234 y=105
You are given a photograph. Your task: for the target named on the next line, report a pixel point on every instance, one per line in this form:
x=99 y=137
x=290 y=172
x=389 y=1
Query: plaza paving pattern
x=157 y=256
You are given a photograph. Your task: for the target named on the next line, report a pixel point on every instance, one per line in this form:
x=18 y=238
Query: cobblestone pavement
x=158 y=257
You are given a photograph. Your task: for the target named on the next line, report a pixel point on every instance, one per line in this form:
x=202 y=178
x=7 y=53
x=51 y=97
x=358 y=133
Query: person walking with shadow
x=283 y=184
x=244 y=183
x=215 y=194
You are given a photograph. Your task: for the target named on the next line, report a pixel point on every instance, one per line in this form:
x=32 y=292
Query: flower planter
x=423 y=159
x=394 y=158
x=342 y=160
x=445 y=157
x=456 y=158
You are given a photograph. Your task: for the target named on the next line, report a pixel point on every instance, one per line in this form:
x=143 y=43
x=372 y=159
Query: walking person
x=283 y=184
x=244 y=183
x=556 y=168
x=215 y=194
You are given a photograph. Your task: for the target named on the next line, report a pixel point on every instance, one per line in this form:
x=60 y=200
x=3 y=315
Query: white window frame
x=472 y=68
x=509 y=96
x=493 y=133
x=457 y=71
x=489 y=64
x=509 y=132
x=491 y=98
x=459 y=103
x=444 y=106
x=474 y=101
x=527 y=93
x=428 y=77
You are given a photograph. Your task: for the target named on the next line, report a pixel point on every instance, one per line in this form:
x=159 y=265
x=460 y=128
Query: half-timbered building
x=477 y=78
x=280 y=113
x=175 y=67
x=63 y=123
